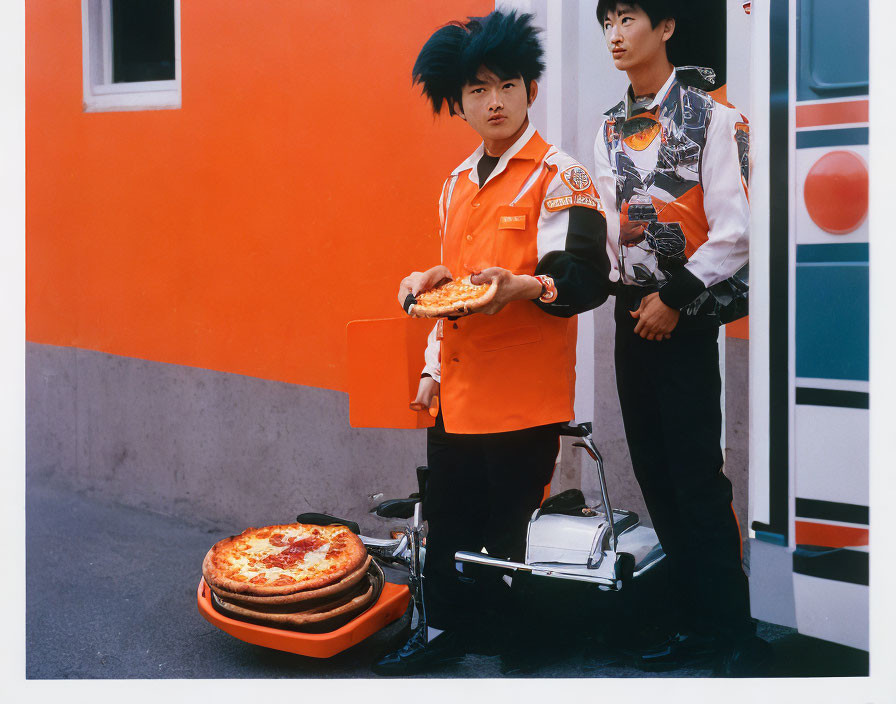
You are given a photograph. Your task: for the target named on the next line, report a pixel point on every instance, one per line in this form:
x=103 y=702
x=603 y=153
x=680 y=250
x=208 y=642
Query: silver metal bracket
x=561 y=571
x=587 y=443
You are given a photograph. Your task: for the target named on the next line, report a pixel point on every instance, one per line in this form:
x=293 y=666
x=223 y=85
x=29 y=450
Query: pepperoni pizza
x=283 y=559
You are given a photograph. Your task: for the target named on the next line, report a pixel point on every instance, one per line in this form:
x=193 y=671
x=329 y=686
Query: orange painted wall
x=230 y=234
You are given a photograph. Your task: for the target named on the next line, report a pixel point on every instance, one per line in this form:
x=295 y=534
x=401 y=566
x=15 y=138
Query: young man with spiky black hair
x=671 y=171
x=522 y=214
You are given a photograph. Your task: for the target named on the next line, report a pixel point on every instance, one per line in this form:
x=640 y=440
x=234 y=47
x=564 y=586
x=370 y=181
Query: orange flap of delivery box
x=385 y=358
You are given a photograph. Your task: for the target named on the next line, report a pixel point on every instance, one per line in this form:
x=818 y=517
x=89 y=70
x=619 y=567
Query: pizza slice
x=453 y=298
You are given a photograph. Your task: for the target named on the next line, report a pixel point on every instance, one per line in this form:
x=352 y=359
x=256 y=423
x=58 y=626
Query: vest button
x=454 y=325
x=455 y=359
x=469 y=238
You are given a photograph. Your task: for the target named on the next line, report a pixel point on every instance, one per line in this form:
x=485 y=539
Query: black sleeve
x=682 y=288
x=581 y=270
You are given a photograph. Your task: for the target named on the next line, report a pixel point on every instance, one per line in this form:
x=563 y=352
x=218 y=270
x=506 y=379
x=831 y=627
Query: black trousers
x=481 y=491
x=669 y=392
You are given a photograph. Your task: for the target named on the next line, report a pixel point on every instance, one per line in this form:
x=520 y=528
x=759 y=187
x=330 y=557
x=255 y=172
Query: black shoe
x=752 y=657
x=418 y=655
x=681 y=650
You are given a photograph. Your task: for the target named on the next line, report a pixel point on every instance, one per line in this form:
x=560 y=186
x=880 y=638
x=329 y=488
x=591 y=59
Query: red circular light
x=836 y=192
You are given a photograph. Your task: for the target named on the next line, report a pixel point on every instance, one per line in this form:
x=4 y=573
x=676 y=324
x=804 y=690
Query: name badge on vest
x=512 y=222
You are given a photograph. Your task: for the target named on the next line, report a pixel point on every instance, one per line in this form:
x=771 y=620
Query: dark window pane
x=142 y=40
x=832 y=61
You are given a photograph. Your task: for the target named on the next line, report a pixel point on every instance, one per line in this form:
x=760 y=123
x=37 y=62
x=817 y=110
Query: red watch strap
x=548 y=289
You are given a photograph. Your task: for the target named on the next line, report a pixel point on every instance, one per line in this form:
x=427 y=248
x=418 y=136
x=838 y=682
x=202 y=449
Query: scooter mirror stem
x=589 y=446
x=418 y=516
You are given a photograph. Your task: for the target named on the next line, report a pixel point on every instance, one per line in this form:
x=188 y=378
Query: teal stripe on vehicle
x=839 y=252
x=832 y=321
x=846 y=137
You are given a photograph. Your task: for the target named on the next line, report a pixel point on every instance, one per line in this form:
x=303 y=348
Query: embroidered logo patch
x=512 y=222
x=587 y=201
x=554 y=204
x=576 y=178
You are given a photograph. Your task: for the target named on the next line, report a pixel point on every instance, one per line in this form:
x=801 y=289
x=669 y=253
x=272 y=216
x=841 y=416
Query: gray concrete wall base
x=223 y=449
x=213 y=448
x=737 y=426
x=207 y=446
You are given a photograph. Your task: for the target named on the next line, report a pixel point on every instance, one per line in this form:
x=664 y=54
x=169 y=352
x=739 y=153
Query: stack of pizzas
x=296 y=576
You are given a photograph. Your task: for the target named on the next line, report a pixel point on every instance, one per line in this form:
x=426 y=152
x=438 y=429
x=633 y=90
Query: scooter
x=571 y=548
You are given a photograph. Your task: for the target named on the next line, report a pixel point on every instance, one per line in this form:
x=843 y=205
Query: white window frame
x=100 y=93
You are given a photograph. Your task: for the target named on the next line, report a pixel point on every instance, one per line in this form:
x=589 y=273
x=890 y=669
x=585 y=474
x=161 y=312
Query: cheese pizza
x=457 y=297
x=283 y=559
x=297 y=600
x=354 y=601
x=316 y=616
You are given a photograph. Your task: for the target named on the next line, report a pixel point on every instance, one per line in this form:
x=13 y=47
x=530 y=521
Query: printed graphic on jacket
x=656 y=156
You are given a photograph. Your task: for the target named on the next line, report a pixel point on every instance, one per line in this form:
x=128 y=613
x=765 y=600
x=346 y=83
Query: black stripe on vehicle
x=840 y=565
x=779 y=239
x=831 y=397
x=832 y=511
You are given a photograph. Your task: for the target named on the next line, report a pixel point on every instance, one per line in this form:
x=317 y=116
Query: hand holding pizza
x=508 y=287
x=449 y=299
x=420 y=281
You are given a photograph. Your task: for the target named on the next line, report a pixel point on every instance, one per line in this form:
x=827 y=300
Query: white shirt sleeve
x=553 y=226
x=432 y=360
x=431 y=357
x=724 y=202
x=605 y=183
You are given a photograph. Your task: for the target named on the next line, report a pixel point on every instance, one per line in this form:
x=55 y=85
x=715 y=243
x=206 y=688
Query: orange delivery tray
x=390 y=606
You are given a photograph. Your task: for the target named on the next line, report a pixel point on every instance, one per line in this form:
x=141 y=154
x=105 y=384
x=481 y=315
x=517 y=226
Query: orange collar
x=534 y=149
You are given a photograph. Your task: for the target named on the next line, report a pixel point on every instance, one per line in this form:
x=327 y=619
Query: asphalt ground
x=111 y=594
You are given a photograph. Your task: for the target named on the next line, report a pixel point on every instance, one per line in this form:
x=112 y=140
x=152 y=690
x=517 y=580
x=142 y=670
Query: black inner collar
x=485 y=167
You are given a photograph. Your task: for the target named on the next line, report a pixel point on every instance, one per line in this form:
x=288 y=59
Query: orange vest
x=515 y=369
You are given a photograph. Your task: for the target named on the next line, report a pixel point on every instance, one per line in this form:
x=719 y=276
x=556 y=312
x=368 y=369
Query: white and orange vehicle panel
x=810 y=513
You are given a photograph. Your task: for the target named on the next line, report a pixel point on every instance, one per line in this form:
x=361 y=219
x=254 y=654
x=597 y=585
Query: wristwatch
x=548 y=290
